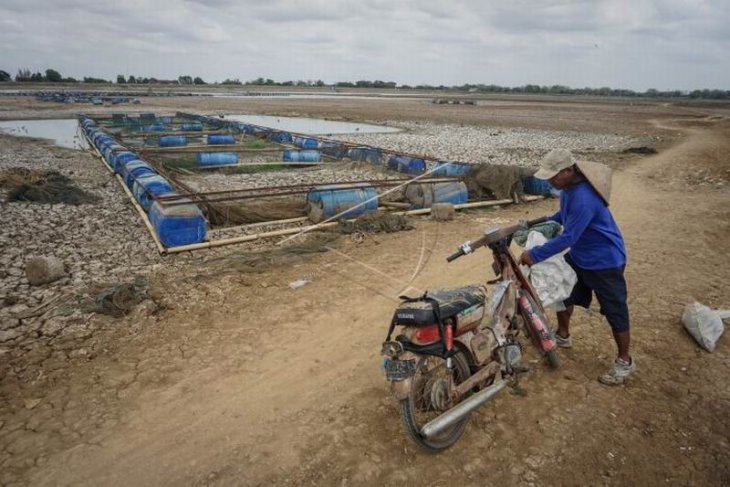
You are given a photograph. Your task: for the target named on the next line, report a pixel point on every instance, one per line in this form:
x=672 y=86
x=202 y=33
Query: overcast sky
x=636 y=44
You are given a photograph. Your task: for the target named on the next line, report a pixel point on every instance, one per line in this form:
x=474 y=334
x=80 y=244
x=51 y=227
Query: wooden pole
x=247 y=238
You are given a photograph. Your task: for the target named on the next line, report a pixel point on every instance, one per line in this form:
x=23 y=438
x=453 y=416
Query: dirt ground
x=241 y=380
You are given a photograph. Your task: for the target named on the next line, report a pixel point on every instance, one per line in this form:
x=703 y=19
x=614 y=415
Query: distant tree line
x=53 y=76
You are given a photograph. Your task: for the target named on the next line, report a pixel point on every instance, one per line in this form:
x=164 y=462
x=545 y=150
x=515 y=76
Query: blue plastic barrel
x=172 y=140
x=147 y=188
x=306 y=142
x=423 y=195
x=109 y=151
x=217 y=158
x=191 y=127
x=406 y=165
x=122 y=157
x=100 y=137
x=178 y=224
x=104 y=143
x=350 y=201
x=539 y=187
x=134 y=170
x=216 y=139
x=281 y=137
x=451 y=169
x=293 y=155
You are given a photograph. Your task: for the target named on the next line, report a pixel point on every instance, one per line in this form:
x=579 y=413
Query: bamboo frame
x=293 y=231
x=206 y=148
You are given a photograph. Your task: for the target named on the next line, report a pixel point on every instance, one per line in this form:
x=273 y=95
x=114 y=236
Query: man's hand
x=526 y=258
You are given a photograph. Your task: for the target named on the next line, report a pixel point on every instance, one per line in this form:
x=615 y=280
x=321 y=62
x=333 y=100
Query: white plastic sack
x=553 y=279
x=704 y=324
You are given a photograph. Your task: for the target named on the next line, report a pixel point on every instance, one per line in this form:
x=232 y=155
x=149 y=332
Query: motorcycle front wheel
x=550 y=355
x=428 y=399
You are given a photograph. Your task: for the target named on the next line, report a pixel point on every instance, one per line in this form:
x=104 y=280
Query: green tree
x=199 y=81
x=37 y=76
x=4 y=76
x=185 y=80
x=53 y=76
x=121 y=80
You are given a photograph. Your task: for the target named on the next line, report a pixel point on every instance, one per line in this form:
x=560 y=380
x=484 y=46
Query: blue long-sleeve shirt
x=589 y=230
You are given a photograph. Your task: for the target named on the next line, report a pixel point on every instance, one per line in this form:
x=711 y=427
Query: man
x=597 y=253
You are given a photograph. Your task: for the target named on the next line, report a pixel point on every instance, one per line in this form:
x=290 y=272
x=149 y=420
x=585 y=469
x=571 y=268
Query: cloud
x=637 y=44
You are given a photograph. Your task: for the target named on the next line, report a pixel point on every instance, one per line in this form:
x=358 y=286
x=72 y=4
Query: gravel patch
x=512 y=146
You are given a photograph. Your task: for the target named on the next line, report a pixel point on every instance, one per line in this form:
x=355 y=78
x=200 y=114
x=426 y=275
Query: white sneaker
x=618 y=374
x=563 y=342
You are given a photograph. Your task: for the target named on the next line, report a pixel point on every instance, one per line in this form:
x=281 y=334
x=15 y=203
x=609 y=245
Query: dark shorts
x=610 y=288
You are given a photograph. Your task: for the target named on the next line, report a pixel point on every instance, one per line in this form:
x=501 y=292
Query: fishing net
x=496 y=181
x=43 y=187
x=119 y=300
x=376 y=223
x=549 y=229
x=254 y=211
x=264 y=260
x=255 y=262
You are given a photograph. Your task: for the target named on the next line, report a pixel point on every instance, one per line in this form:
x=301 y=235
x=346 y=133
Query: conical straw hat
x=599 y=176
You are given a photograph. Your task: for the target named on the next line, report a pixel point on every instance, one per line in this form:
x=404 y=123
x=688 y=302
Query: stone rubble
x=512 y=146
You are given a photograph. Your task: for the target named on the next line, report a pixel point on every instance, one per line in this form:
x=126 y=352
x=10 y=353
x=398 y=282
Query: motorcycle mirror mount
x=466 y=248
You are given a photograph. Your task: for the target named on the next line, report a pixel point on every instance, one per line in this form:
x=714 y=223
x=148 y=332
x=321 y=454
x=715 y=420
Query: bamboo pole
x=246 y=238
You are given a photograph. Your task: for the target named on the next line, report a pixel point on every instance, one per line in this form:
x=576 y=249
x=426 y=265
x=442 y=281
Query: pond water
x=63 y=132
x=312 y=126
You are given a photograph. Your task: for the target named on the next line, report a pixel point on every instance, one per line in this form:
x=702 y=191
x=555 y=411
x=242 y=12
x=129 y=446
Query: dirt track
x=242 y=380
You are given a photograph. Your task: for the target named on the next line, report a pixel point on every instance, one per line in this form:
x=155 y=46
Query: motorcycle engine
x=510 y=355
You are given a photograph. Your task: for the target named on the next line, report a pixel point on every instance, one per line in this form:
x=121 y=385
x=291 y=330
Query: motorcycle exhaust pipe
x=461 y=410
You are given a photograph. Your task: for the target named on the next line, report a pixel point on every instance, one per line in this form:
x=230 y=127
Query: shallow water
x=63 y=132
x=313 y=126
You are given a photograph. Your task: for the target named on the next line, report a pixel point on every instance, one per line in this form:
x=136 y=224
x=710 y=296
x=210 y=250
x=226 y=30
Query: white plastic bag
x=553 y=279
x=704 y=323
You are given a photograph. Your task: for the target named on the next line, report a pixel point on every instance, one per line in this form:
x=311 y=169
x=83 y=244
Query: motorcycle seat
x=452 y=301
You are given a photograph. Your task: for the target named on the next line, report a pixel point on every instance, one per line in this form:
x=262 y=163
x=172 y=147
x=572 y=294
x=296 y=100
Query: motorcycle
x=452 y=354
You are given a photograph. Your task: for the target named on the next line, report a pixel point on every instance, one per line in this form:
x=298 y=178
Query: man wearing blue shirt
x=596 y=252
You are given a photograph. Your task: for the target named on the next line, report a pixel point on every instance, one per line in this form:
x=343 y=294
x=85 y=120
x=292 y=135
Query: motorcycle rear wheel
x=418 y=408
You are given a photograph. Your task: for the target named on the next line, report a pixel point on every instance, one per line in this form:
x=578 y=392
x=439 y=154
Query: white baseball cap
x=555 y=161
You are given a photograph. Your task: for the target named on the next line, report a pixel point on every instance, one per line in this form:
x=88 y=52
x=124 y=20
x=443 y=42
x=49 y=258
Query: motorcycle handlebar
x=501 y=233
x=455 y=255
